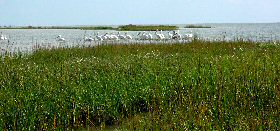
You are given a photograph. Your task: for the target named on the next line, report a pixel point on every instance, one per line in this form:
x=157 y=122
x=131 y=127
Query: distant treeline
x=120 y=28
x=146 y=28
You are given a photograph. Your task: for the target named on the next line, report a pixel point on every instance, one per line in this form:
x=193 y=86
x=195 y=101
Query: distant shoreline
x=140 y=27
x=119 y=28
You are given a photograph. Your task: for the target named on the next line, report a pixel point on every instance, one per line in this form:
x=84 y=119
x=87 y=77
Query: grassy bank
x=194 y=86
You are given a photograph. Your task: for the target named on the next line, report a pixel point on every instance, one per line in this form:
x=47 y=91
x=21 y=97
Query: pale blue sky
x=120 y=12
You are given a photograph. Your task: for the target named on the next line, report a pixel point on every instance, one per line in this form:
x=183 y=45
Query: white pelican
x=150 y=36
x=89 y=39
x=2 y=37
x=176 y=35
x=99 y=37
x=59 y=38
x=170 y=35
x=188 y=36
x=113 y=37
x=162 y=35
x=105 y=36
x=159 y=36
x=122 y=37
x=128 y=36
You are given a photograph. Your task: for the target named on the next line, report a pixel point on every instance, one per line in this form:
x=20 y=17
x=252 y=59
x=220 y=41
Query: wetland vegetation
x=196 y=86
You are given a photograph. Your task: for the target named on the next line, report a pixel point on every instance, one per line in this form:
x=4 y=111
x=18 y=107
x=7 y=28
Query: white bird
x=122 y=37
x=129 y=37
x=89 y=39
x=176 y=35
x=146 y=36
x=143 y=35
x=105 y=36
x=159 y=36
x=60 y=38
x=113 y=37
x=150 y=36
x=2 y=37
x=170 y=35
x=99 y=37
x=162 y=35
x=188 y=36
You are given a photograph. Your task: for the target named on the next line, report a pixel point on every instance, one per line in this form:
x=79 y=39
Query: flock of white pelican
x=145 y=35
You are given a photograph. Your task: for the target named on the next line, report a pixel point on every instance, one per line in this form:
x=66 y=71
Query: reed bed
x=196 y=86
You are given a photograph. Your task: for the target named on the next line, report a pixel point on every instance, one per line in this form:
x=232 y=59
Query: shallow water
x=25 y=40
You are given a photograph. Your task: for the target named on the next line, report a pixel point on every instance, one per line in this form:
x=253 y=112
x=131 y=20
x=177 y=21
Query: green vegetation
x=98 y=28
x=146 y=28
x=197 y=26
x=196 y=86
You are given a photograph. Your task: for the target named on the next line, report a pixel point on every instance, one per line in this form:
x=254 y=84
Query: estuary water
x=24 y=40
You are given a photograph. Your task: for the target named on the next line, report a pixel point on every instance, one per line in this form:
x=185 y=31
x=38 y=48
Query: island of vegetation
x=146 y=28
x=197 y=26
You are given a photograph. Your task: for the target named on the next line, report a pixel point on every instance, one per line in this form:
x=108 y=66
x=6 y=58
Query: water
x=254 y=32
x=24 y=40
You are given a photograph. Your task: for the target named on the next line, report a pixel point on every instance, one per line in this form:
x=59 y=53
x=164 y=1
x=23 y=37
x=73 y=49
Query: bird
x=129 y=37
x=99 y=37
x=60 y=38
x=2 y=37
x=150 y=36
x=176 y=35
x=162 y=35
x=113 y=37
x=170 y=35
x=143 y=35
x=89 y=39
x=105 y=36
x=188 y=36
x=140 y=35
x=122 y=37
x=159 y=36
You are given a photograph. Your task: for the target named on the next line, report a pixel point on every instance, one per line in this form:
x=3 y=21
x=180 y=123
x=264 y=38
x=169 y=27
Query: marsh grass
x=195 y=86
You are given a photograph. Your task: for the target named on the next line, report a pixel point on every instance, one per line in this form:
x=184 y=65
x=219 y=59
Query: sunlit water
x=24 y=40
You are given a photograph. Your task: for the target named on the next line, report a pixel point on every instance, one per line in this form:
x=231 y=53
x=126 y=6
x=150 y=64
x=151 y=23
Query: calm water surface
x=25 y=39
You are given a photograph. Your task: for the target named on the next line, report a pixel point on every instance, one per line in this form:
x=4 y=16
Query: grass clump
x=196 y=86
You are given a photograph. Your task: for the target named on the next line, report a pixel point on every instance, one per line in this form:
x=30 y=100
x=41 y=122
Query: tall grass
x=196 y=86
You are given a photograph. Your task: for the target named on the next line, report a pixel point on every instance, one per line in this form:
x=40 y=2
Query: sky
x=122 y=12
